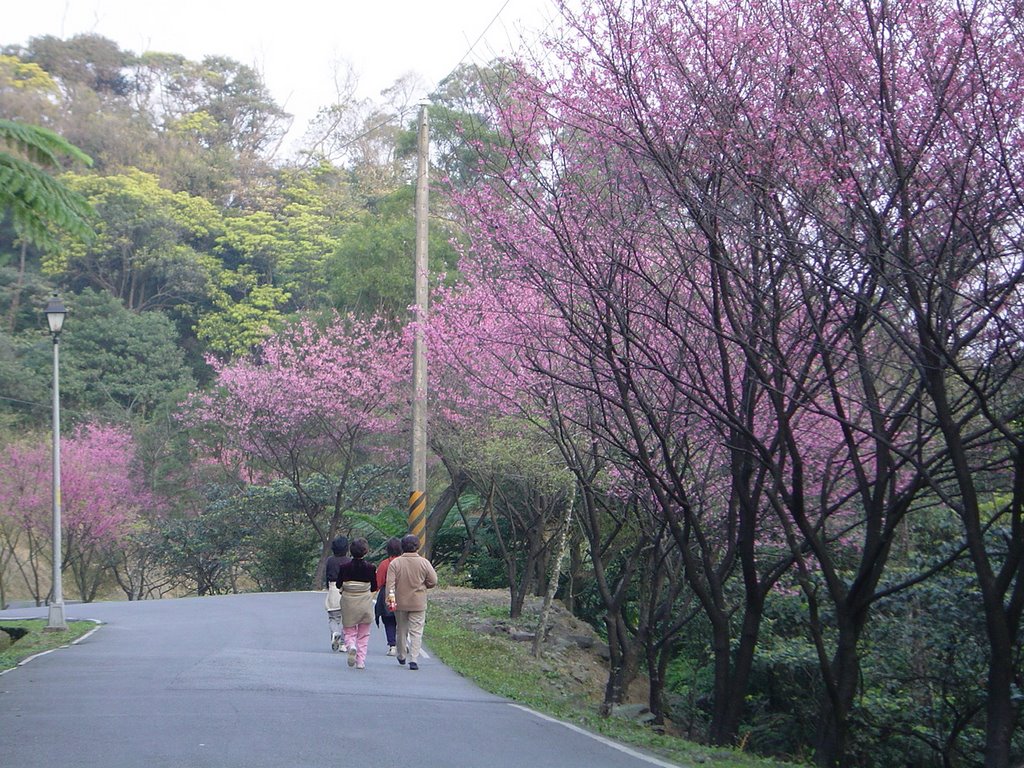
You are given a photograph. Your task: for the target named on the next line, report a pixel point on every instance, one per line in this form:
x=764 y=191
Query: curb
x=76 y=641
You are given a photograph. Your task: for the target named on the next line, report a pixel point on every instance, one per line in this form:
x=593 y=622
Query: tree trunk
x=19 y=283
x=1001 y=714
x=658 y=657
x=742 y=664
x=569 y=599
x=320 y=575
x=552 y=585
x=439 y=512
x=622 y=664
x=835 y=728
x=1002 y=617
x=720 y=732
x=516 y=599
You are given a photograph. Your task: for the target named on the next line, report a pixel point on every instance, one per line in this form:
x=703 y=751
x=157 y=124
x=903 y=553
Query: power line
x=475 y=43
x=46 y=406
x=466 y=55
x=24 y=402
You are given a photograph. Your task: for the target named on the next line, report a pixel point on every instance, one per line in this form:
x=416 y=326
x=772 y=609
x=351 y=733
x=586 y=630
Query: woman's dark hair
x=410 y=543
x=393 y=546
x=359 y=548
x=340 y=546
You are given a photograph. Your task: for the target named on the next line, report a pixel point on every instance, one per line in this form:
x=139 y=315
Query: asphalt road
x=250 y=681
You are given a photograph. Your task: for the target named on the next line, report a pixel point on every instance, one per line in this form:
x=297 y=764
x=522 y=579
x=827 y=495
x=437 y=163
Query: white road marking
x=602 y=739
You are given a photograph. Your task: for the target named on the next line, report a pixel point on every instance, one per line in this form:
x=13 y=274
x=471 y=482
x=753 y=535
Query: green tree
x=120 y=363
x=463 y=122
x=88 y=60
x=217 y=124
x=22 y=388
x=372 y=269
x=244 y=314
x=202 y=551
x=152 y=245
x=316 y=207
x=41 y=209
x=27 y=91
x=93 y=107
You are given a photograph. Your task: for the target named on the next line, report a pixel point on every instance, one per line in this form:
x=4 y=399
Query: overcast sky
x=297 y=44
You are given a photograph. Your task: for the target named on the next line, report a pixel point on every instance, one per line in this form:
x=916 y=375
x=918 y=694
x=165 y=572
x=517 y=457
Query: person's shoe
x=351 y=657
x=335 y=642
x=391 y=650
x=360 y=665
x=413 y=665
x=401 y=661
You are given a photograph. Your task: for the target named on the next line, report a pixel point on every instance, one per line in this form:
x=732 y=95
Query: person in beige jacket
x=409 y=578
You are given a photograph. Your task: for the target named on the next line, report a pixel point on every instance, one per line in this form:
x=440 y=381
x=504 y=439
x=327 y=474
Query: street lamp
x=55 y=313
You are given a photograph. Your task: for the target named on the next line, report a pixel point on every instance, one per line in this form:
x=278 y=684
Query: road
x=249 y=681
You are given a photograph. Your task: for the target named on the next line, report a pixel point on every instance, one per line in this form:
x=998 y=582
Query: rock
x=636 y=712
x=558 y=643
x=583 y=641
x=483 y=627
x=520 y=635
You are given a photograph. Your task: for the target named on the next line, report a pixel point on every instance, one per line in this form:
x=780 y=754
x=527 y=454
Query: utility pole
x=418 y=493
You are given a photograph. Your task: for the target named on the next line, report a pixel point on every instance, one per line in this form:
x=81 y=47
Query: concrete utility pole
x=418 y=494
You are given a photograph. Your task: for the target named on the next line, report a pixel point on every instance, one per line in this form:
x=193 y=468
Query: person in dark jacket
x=381 y=610
x=357 y=581
x=333 y=603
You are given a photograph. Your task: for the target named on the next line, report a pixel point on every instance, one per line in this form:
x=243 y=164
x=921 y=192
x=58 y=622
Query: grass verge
x=508 y=669
x=38 y=639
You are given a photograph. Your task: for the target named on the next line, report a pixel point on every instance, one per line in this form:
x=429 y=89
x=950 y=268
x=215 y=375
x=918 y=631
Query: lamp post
x=55 y=313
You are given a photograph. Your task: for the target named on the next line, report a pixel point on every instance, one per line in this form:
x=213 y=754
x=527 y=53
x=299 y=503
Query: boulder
x=637 y=712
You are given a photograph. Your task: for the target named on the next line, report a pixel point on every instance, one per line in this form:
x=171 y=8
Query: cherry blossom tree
x=316 y=403
x=101 y=499
x=25 y=521
x=486 y=429
x=788 y=231
x=897 y=179
x=572 y=227
x=503 y=346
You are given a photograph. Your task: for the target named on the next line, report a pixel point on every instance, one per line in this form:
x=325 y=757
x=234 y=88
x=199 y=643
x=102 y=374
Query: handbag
x=333 y=600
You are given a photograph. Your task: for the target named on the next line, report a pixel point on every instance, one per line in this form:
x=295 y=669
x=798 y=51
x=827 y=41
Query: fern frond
x=40 y=145
x=40 y=206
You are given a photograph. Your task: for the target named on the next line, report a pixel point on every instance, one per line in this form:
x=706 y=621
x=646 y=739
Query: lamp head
x=55 y=312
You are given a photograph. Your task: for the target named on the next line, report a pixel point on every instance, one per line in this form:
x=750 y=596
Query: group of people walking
x=393 y=593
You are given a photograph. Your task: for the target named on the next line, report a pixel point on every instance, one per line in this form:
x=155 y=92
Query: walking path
x=249 y=681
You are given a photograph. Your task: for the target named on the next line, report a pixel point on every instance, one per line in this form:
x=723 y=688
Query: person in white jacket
x=332 y=603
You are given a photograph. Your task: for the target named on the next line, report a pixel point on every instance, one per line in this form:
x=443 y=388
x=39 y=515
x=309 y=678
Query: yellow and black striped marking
x=418 y=515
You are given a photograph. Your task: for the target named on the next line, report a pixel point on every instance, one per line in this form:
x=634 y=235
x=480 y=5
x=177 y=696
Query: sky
x=299 y=45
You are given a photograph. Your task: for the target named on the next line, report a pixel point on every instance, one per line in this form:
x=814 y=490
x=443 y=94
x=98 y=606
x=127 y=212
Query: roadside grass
x=38 y=639
x=508 y=669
